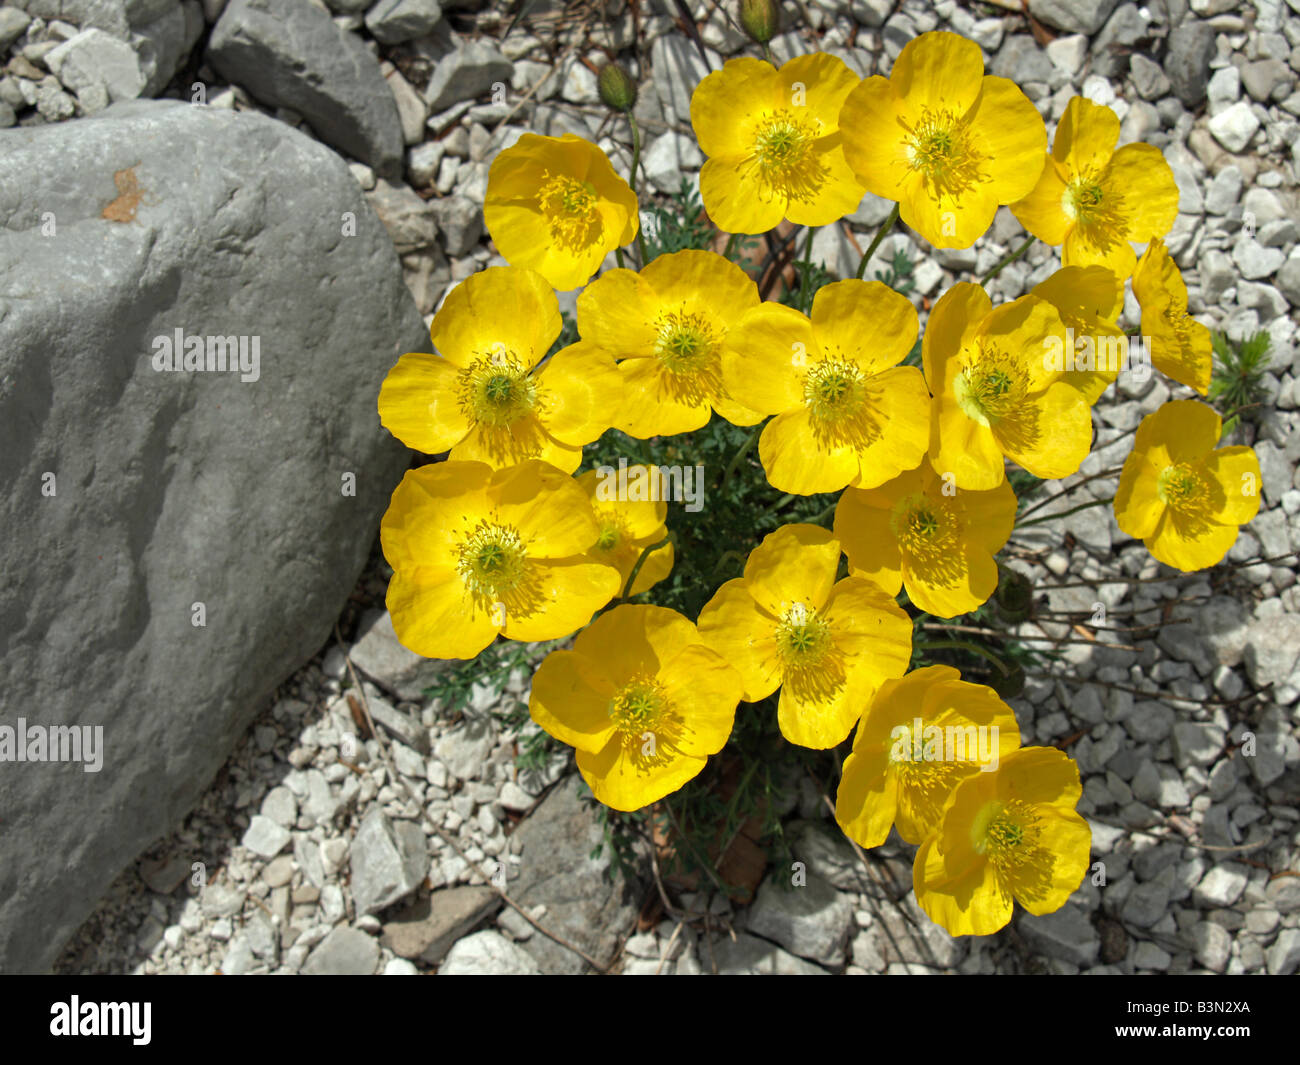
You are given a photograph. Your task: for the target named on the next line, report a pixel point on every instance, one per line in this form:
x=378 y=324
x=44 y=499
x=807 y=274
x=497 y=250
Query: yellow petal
x=964 y=448
x=942 y=71
x=795 y=564
x=954 y=318
x=419 y=403
x=867 y=797
x=874 y=138
x=1190 y=543
x=1040 y=211
x=736 y=199
x=433 y=616
x=866 y=322
x=570 y=591
x=547 y=507
x=654 y=404
x=963 y=899
x=1085 y=137
x=1050 y=435
x=795 y=461
x=1236 y=471
x=580 y=389
x=613 y=316
x=734 y=625
x=1150 y=191
x=625 y=783
x=762 y=365
x=704 y=690
x=570 y=700
x=868 y=539
x=1009 y=131
x=500 y=309
x=717 y=99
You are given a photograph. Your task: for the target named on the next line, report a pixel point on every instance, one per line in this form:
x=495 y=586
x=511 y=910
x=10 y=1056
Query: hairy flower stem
x=805 y=279
x=645 y=553
x=636 y=160
x=741 y=452
x=1007 y=260
x=963 y=645
x=884 y=229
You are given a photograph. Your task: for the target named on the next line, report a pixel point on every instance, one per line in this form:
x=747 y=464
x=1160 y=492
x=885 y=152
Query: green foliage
x=679 y=225
x=758 y=773
x=899 y=274
x=1238 y=375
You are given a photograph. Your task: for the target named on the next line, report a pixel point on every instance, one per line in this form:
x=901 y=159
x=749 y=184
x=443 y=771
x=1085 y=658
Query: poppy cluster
x=502 y=539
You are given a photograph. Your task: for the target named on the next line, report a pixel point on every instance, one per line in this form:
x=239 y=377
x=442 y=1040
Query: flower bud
x=1015 y=595
x=617 y=90
x=760 y=18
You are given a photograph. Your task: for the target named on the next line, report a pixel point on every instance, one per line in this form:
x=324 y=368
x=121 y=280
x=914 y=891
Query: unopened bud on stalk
x=1015 y=595
x=617 y=90
x=760 y=18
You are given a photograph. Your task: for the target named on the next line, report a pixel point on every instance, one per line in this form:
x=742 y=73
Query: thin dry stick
x=668 y=949
x=1034 y=639
x=401 y=781
x=1066 y=491
x=1157 y=580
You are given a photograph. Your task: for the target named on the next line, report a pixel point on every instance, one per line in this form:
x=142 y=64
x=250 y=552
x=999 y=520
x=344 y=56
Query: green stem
x=741 y=452
x=645 y=553
x=1065 y=513
x=963 y=645
x=767 y=54
x=731 y=244
x=636 y=159
x=618 y=257
x=788 y=497
x=885 y=227
x=805 y=278
x=1007 y=260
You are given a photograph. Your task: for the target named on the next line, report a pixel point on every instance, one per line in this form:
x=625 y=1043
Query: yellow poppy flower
x=627 y=526
x=995 y=393
x=921 y=736
x=827 y=646
x=476 y=552
x=483 y=396
x=937 y=543
x=941 y=138
x=1094 y=199
x=1180 y=345
x=773 y=142
x=555 y=205
x=668 y=326
x=643 y=701
x=1089 y=300
x=1008 y=836
x=1178 y=494
x=846 y=413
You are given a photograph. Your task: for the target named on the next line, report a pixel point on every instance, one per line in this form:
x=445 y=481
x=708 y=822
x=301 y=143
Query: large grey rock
x=583 y=904
x=172 y=489
x=289 y=53
x=1073 y=16
x=388 y=860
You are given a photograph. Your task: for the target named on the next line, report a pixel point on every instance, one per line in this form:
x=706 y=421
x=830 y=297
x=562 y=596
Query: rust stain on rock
x=130 y=195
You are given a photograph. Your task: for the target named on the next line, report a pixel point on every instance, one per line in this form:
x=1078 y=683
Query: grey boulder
x=290 y=53
x=179 y=542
